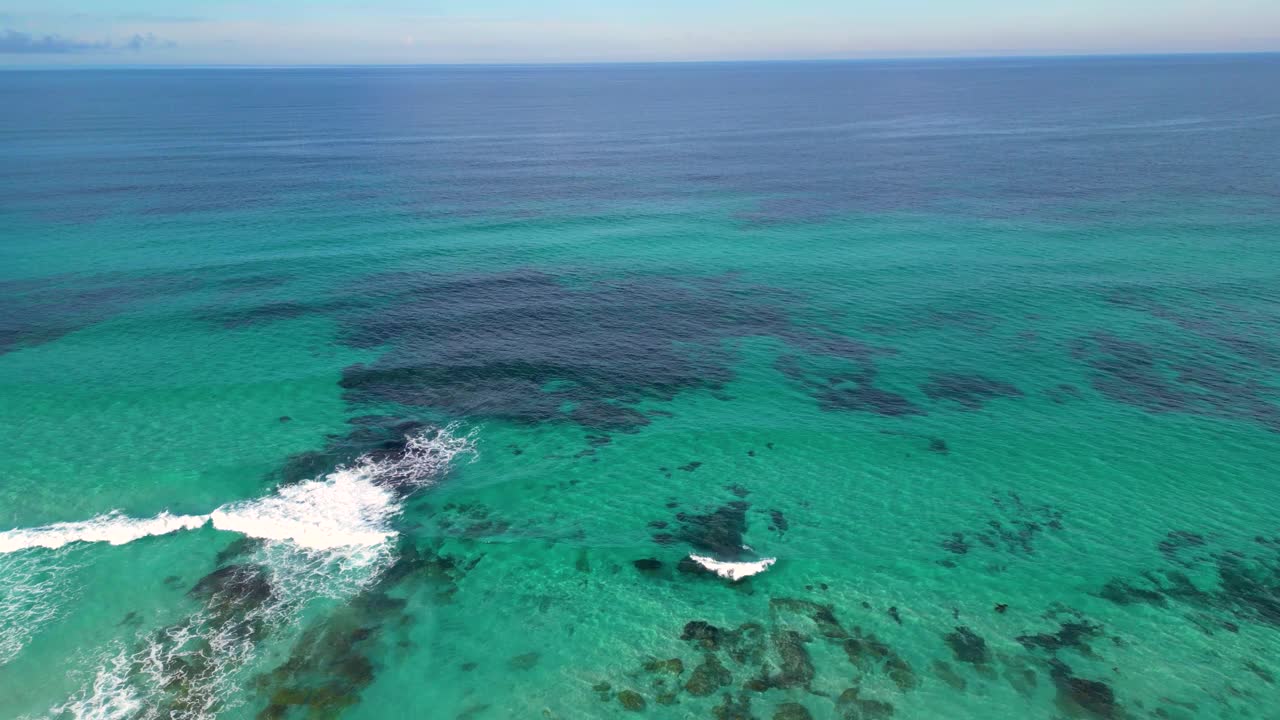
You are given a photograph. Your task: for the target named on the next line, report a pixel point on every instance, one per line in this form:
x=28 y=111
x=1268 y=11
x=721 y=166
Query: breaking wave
x=324 y=538
x=350 y=507
x=733 y=571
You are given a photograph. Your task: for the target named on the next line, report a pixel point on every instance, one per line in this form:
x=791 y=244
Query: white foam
x=112 y=528
x=734 y=571
x=108 y=697
x=351 y=507
x=343 y=510
x=33 y=591
x=326 y=537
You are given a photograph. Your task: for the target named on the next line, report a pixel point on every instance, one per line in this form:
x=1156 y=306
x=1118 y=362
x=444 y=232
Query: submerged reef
x=40 y=310
x=969 y=391
x=738 y=664
x=1013 y=529
x=529 y=346
x=1240 y=585
x=333 y=661
x=1179 y=376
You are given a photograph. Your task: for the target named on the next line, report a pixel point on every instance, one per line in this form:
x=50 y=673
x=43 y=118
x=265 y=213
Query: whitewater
x=349 y=508
x=322 y=538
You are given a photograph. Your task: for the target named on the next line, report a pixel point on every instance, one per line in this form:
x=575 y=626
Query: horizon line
x=587 y=63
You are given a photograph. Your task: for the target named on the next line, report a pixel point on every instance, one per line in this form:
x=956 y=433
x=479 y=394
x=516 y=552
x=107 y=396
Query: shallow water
x=411 y=392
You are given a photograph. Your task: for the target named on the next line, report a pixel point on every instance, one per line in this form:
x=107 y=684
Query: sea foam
x=324 y=538
x=350 y=507
x=734 y=571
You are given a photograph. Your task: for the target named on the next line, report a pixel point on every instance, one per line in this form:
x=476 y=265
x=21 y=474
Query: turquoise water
x=995 y=389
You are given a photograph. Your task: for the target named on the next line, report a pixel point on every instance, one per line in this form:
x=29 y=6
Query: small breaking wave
x=733 y=571
x=350 y=507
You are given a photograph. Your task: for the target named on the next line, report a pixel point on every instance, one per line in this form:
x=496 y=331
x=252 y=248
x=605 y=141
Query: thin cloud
x=13 y=42
x=143 y=41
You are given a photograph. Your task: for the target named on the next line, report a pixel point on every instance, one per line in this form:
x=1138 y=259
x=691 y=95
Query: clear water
x=984 y=353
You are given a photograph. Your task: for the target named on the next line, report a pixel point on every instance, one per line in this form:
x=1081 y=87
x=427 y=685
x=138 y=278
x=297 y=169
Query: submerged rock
x=708 y=677
x=792 y=711
x=674 y=666
x=745 y=644
x=703 y=633
x=968 y=647
x=729 y=709
x=718 y=533
x=524 y=662
x=796 y=666
x=647 y=565
x=851 y=706
x=823 y=616
x=1069 y=635
x=631 y=700
x=233 y=590
x=1080 y=695
x=969 y=391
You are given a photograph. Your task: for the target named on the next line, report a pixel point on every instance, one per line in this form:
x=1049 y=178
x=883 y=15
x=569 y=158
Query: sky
x=340 y=32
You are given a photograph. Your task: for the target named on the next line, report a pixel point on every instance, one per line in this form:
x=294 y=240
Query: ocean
x=937 y=389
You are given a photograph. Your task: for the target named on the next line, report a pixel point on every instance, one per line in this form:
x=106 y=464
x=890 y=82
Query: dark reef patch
x=1177 y=542
x=969 y=391
x=1073 y=634
x=822 y=616
x=852 y=388
x=236 y=599
x=1013 y=530
x=779 y=656
x=863 y=398
x=792 y=711
x=525 y=661
x=531 y=347
x=967 y=646
x=233 y=591
x=273 y=311
x=1063 y=393
x=647 y=565
x=1179 y=376
x=709 y=676
x=852 y=706
x=778 y=522
x=1081 y=697
x=1248 y=334
x=239 y=547
x=332 y=662
x=379 y=436
x=718 y=533
x=796 y=668
x=865 y=651
x=672 y=666
x=733 y=709
x=631 y=700
x=41 y=310
x=1245 y=586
